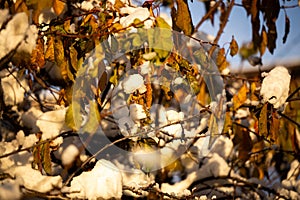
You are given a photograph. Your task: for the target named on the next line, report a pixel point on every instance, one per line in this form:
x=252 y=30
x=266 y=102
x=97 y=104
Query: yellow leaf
x=73 y=57
x=49 y=54
x=182 y=20
x=234 y=47
x=60 y=59
x=46 y=158
x=221 y=60
x=37 y=55
x=119 y=4
x=264 y=41
x=58 y=6
x=240 y=98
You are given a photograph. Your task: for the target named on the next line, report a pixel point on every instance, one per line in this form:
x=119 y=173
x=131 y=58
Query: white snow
x=33 y=179
x=275 y=86
x=134 y=13
x=9 y=189
x=132 y=83
x=103 y=181
x=137 y=112
x=54 y=119
x=14 y=33
x=13 y=92
x=69 y=155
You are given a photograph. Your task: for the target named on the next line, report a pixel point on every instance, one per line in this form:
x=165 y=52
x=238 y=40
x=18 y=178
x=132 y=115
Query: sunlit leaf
x=181 y=17
x=227 y=124
x=49 y=54
x=221 y=60
x=240 y=98
x=234 y=47
x=37 y=55
x=162 y=23
x=58 y=6
x=118 y=4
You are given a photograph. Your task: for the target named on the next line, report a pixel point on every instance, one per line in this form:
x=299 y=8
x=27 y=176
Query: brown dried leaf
x=73 y=57
x=220 y=57
x=274 y=127
x=182 y=17
x=286 y=28
x=263 y=121
x=234 y=47
x=37 y=55
x=49 y=54
x=240 y=98
x=60 y=59
x=243 y=141
x=272 y=36
x=264 y=41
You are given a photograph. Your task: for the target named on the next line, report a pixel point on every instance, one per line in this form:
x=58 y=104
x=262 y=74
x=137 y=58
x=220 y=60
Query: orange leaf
x=240 y=98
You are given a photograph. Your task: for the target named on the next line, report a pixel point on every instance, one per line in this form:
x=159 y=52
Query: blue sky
x=239 y=25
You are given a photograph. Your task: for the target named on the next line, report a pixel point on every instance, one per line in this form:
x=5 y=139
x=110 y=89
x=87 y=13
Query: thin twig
x=206 y=16
x=222 y=26
x=29 y=148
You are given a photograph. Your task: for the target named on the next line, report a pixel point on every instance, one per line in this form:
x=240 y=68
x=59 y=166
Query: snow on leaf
x=13 y=92
x=54 y=119
x=275 y=86
x=69 y=154
x=137 y=112
x=104 y=181
x=34 y=180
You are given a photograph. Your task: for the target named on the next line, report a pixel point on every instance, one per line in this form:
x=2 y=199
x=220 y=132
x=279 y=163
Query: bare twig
x=206 y=16
x=222 y=26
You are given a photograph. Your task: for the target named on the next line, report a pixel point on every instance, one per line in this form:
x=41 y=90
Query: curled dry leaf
x=234 y=47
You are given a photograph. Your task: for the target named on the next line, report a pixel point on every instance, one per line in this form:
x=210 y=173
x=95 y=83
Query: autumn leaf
x=264 y=41
x=37 y=55
x=234 y=47
x=58 y=6
x=73 y=58
x=286 y=28
x=274 y=127
x=240 y=98
x=49 y=54
x=263 y=121
x=181 y=18
x=41 y=157
x=221 y=60
x=60 y=59
x=243 y=142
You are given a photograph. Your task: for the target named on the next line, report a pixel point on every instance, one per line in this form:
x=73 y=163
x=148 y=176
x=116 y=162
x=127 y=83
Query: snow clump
x=275 y=86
